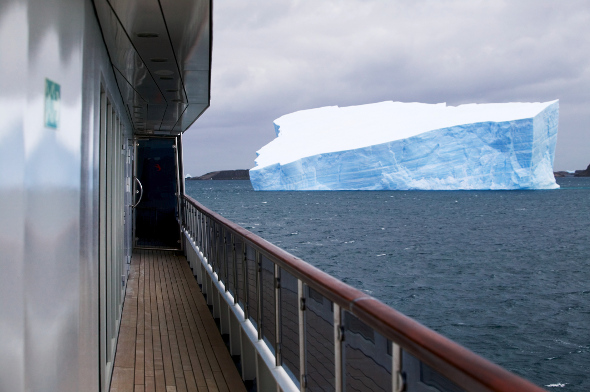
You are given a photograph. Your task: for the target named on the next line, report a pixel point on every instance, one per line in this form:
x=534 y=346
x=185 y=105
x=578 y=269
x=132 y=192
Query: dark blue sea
x=504 y=273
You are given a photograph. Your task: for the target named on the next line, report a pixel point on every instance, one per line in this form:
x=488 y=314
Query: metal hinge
x=277 y=283
x=302 y=304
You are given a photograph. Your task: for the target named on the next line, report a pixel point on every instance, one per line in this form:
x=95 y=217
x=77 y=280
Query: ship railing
x=298 y=328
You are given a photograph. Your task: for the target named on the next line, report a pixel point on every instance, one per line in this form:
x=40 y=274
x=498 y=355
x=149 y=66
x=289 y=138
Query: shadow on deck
x=168 y=339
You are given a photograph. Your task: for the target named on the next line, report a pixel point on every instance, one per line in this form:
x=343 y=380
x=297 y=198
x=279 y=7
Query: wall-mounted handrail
x=460 y=365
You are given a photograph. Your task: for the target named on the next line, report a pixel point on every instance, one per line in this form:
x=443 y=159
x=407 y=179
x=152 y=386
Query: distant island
x=224 y=175
x=577 y=173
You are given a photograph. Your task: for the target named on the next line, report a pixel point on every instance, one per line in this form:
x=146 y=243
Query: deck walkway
x=168 y=339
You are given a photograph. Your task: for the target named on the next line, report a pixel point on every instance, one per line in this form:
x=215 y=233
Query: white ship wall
x=49 y=302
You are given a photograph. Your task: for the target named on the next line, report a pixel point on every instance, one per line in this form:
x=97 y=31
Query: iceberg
x=406 y=146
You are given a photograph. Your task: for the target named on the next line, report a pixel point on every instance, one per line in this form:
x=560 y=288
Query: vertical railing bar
x=278 y=348
x=218 y=250
x=215 y=249
x=235 y=268
x=209 y=242
x=259 y=292
x=338 y=338
x=194 y=217
x=225 y=261
x=246 y=286
x=203 y=235
x=302 y=337
x=199 y=229
x=189 y=217
x=212 y=243
x=186 y=222
x=397 y=379
x=202 y=232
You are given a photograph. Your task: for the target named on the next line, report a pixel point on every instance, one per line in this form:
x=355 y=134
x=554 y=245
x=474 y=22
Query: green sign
x=52 y=102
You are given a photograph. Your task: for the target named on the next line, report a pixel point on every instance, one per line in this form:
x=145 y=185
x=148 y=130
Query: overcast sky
x=274 y=57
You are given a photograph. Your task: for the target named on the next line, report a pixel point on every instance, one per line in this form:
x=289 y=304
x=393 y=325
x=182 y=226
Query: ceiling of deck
x=161 y=56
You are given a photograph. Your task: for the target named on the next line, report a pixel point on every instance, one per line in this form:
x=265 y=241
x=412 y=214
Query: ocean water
x=504 y=273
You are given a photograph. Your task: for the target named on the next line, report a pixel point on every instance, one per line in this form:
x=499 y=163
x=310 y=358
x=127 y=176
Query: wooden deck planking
x=168 y=339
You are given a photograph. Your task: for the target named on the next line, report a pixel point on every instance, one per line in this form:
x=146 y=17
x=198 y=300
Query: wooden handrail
x=460 y=365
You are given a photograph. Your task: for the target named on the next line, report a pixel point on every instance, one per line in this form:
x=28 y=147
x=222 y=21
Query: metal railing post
x=397 y=377
x=235 y=267
x=225 y=262
x=201 y=232
x=338 y=357
x=246 y=287
x=186 y=221
x=278 y=348
x=302 y=337
x=194 y=224
x=187 y=213
x=208 y=240
x=216 y=250
x=190 y=218
x=259 y=292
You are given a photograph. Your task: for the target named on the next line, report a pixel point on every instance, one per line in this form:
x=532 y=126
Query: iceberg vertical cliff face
x=393 y=145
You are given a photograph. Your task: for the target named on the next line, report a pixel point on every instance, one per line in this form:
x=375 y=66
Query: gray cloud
x=271 y=58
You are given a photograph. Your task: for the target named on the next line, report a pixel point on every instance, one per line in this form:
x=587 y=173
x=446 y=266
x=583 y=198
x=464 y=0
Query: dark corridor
x=155 y=215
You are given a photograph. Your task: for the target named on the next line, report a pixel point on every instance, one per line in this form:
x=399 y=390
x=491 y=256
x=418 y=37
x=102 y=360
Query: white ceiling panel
x=160 y=50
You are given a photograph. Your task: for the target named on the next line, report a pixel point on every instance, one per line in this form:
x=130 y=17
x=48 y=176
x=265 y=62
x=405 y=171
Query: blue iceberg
x=403 y=146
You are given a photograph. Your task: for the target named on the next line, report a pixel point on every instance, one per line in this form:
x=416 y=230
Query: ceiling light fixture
x=164 y=72
x=147 y=35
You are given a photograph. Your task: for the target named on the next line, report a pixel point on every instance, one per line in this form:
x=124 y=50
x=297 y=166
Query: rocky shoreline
x=577 y=173
x=224 y=175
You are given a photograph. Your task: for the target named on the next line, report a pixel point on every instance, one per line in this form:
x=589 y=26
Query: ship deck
x=168 y=340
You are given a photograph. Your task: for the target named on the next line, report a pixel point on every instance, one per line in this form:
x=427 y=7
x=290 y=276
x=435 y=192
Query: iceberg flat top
x=330 y=129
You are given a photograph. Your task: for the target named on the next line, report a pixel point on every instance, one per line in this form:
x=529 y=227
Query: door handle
x=138 y=191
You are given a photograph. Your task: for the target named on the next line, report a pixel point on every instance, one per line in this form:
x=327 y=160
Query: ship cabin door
x=156 y=193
